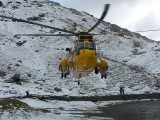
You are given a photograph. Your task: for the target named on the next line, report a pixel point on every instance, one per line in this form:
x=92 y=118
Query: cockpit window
x=80 y=45
x=86 y=45
x=92 y=45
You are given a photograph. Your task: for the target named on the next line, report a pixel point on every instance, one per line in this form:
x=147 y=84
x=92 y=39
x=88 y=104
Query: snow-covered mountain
x=133 y=59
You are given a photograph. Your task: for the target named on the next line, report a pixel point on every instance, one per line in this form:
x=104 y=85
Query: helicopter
x=83 y=58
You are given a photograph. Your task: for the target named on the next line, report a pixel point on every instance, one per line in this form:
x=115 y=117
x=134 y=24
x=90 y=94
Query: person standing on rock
x=121 y=89
x=27 y=94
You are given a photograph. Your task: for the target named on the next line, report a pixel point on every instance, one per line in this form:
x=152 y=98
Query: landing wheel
x=96 y=70
x=78 y=82
x=61 y=75
x=103 y=76
x=64 y=75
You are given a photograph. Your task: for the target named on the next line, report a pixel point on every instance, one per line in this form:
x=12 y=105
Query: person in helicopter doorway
x=121 y=89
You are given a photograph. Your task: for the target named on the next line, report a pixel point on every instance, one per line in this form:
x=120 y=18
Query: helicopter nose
x=89 y=52
x=88 y=58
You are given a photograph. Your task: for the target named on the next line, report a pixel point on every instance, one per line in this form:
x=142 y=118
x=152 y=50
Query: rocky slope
x=133 y=59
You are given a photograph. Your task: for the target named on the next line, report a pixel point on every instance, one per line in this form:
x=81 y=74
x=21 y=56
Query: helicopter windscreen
x=92 y=45
x=87 y=45
x=80 y=45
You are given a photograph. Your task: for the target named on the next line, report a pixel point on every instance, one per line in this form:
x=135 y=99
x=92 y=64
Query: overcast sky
x=134 y=15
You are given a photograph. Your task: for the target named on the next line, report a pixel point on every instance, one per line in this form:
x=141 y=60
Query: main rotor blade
x=102 y=17
x=38 y=24
x=45 y=35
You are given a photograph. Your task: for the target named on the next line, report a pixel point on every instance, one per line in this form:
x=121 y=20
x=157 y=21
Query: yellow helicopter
x=83 y=59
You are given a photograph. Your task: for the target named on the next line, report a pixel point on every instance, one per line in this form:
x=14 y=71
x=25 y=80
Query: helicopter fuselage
x=83 y=59
x=84 y=63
